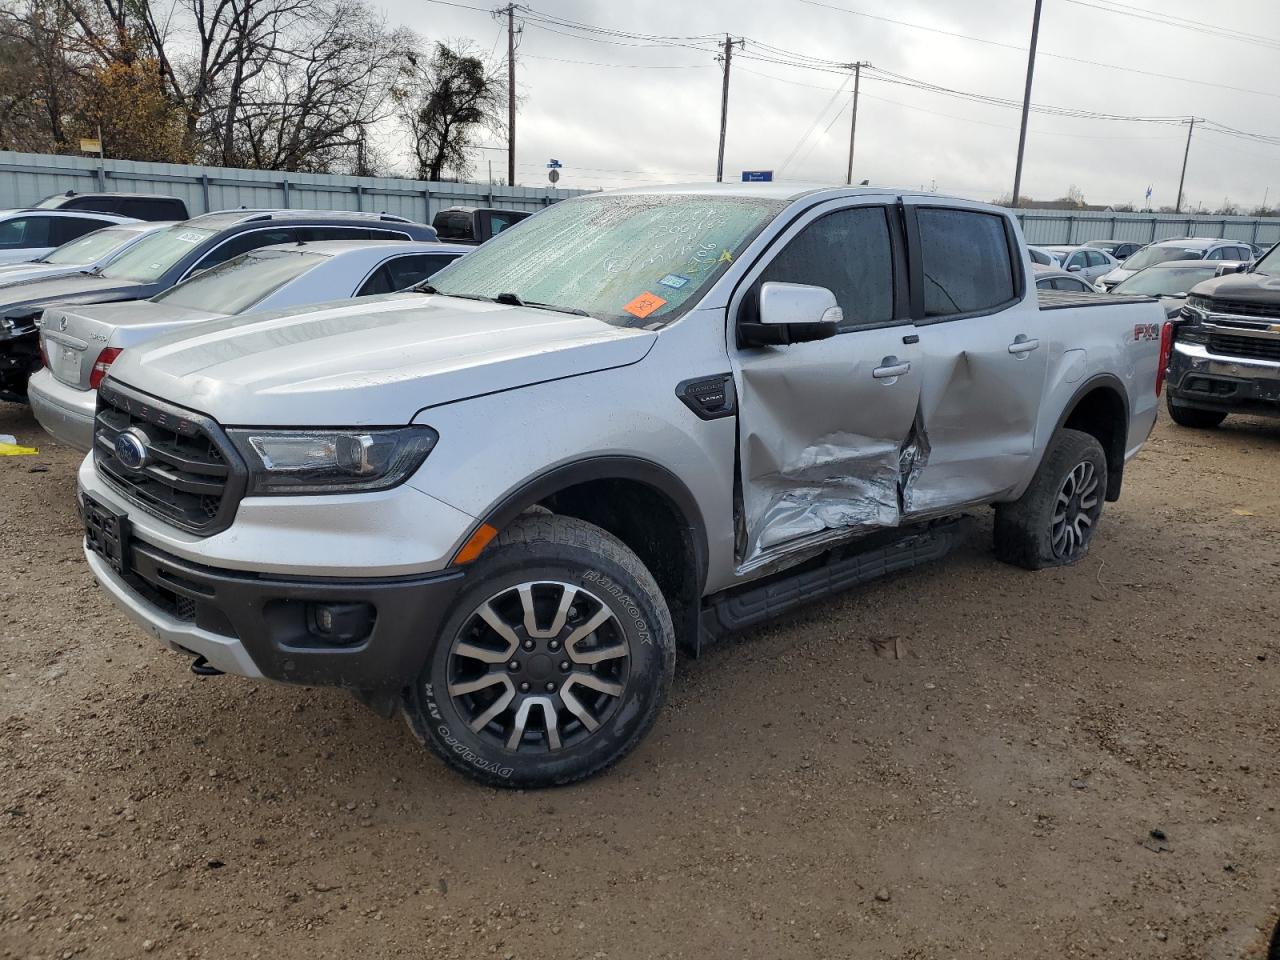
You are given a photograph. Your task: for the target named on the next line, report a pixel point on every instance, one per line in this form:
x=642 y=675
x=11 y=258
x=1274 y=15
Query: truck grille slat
x=1257 y=348
x=194 y=479
x=1232 y=308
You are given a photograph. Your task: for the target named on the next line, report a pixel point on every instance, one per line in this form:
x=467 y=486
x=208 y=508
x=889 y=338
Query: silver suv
x=639 y=421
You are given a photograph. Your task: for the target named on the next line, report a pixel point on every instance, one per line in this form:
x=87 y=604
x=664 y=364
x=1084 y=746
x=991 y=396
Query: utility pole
x=727 y=56
x=1026 y=103
x=1185 y=154
x=510 y=11
x=853 y=124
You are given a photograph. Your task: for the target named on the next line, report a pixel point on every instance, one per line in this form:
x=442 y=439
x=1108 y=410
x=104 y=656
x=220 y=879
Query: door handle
x=1022 y=345
x=891 y=369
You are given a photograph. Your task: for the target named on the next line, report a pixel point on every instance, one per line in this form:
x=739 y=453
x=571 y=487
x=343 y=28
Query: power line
x=1168 y=20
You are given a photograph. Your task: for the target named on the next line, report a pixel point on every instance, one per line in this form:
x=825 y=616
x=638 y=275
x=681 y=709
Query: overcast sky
x=626 y=115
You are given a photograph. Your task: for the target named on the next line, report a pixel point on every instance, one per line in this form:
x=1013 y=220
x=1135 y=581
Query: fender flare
x=1115 y=457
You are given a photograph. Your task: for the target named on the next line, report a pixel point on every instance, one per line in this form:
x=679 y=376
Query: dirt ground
x=992 y=792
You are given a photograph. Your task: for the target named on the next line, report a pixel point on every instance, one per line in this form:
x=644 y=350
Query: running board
x=834 y=572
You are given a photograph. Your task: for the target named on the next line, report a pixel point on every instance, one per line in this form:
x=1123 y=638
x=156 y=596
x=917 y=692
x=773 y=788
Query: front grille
x=1257 y=348
x=1232 y=308
x=193 y=477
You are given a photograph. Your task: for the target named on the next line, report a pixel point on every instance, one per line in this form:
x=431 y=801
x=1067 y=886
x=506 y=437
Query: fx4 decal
x=1146 y=331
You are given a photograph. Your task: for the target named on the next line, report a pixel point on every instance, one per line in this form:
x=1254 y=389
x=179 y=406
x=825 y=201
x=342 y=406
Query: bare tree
x=40 y=78
x=445 y=103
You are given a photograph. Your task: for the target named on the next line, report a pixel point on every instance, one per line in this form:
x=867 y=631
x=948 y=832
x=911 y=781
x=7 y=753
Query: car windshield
x=1270 y=264
x=90 y=248
x=631 y=260
x=148 y=259
x=50 y=203
x=1145 y=258
x=1103 y=244
x=241 y=282
x=1166 y=281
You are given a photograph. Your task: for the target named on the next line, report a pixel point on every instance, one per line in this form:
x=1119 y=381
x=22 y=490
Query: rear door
x=24 y=237
x=823 y=425
x=984 y=349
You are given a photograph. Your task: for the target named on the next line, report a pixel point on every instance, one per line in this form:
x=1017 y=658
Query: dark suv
x=156 y=262
x=140 y=206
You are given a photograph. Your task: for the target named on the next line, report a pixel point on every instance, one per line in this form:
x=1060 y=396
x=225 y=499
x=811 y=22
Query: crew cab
x=499 y=502
x=1226 y=349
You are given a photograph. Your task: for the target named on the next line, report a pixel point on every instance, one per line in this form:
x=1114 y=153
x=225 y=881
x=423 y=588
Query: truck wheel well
x=651 y=525
x=1103 y=414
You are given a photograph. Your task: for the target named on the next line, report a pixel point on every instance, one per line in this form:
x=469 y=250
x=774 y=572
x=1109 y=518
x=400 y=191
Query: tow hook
x=202 y=668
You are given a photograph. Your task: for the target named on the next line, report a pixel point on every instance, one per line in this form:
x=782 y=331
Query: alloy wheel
x=1075 y=511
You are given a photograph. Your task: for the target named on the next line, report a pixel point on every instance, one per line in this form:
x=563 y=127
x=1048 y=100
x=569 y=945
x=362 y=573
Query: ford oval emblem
x=131 y=449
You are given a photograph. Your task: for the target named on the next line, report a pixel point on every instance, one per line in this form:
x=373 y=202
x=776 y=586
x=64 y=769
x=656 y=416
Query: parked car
x=1119 y=249
x=80 y=343
x=1259 y=250
x=1172 y=280
x=83 y=255
x=1044 y=257
x=1226 y=350
x=500 y=503
x=475 y=224
x=1187 y=248
x=140 y=206
x=161 y=259
x=30 y=234
x=1084 y=261
x=1052 y=278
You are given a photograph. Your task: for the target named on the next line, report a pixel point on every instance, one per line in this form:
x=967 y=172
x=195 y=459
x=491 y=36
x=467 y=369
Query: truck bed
x=1065 y=299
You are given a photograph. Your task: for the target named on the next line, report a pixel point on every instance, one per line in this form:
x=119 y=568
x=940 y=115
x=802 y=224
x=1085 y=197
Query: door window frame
x=915 y=264
x=890 y=207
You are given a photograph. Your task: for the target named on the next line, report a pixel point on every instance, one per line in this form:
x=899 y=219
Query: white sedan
x=83 y=255
x=30 y=234
x=80 y=342
x=1087 y=262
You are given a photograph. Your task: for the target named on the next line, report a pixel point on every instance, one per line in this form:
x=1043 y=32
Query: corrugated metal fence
x=1077 y=226
x=27 y=177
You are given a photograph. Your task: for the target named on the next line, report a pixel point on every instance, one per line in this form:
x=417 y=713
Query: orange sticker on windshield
x=644 y=305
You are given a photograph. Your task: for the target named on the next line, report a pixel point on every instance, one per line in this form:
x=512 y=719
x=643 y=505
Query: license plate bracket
x=106 y=533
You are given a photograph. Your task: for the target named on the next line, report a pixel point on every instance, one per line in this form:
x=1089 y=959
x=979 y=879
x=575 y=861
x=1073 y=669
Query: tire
x=583 y=687
x=1053 y=522
x=1191 y=417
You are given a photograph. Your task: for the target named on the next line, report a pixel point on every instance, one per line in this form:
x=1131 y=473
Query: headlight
x=331 y=461
x=1197 y=307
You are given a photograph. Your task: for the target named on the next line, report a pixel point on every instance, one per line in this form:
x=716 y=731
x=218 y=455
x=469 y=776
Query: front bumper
x=257 y=626
x=1205 y=381
x=65 y=412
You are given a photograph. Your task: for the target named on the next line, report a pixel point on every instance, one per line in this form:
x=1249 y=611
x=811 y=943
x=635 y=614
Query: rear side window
x=404 y=272
x=100 y=204
x=154 y=208
x=243 y=243
x=21 y=232
x=1096 y=259
x=965 y=261
x=66 y=229
x=849 y=252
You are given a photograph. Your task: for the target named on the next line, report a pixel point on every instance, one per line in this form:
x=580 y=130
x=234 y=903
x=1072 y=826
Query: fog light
x=341 y=623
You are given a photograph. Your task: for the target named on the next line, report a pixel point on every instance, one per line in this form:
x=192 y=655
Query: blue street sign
x=554 y=164
x=757 y=176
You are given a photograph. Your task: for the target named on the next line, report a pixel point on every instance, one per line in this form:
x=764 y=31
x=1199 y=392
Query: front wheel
x=1053 y=522
x=1191 y=417
x=554 y=662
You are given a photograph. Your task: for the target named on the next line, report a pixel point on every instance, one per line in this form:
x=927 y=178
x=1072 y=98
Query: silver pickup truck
x=637 y=421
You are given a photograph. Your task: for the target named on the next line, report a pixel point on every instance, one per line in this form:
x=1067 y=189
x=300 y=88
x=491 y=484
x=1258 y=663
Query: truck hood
x=31 y=295
x=373 y=361
x=1259 y=288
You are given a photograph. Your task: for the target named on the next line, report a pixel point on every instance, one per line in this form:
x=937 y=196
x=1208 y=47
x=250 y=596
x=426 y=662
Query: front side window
x=238 y=284
x=152 y=256
x=966 y=262
x=20 y=232
x=848 y=252
x=636 y=260
x=243 y=243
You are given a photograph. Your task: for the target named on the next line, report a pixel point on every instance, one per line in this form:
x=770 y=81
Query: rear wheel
x=554 y=662
x=1191 y=417
x=1053 y=522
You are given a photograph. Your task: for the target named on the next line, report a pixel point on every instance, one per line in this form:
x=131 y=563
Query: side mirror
x=1074 y=268
x=792 y=313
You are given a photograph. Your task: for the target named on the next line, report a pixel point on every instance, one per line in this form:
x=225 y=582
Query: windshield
x=1270 y=264
x=50 y=203
x=1107 y=245
x=1167 y=282
x=148 y=259
x=90 y=248
x=630 y=260
x=1145 y=258
x=241 y=282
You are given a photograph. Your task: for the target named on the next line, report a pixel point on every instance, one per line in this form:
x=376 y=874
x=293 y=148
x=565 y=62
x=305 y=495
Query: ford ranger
x=500 y=502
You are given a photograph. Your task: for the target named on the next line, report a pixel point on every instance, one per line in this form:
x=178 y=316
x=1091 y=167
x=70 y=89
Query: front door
x=823 y=426
x=984 y=344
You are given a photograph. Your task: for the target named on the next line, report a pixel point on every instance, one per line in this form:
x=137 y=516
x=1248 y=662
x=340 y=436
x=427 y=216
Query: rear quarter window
x=965 y=262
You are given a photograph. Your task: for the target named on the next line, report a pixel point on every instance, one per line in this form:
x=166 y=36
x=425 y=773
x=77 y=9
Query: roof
x=59 y=212
x=1187 y=265
x=1195 y=243
x=769 y=191
x=336 y=248
x=221 y=219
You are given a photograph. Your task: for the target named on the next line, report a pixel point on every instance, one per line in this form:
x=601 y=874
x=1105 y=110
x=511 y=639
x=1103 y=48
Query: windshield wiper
x=510 y=299
x=575 y=311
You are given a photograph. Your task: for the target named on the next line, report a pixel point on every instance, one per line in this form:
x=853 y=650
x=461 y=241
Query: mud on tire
x=553 y=663
x=1053 y=522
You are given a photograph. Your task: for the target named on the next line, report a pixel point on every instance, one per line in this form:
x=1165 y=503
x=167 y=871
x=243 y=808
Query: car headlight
x=1197 y=307
x=331 y=461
